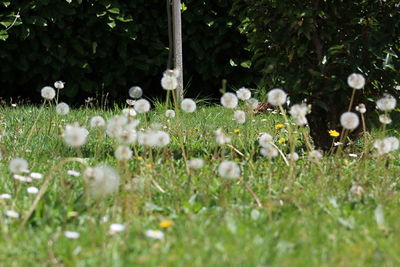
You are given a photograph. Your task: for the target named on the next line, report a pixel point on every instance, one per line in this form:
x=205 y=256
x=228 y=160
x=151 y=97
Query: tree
x=310 y=47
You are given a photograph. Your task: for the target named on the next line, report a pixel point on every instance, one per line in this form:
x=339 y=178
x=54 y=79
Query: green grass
x=311 y=219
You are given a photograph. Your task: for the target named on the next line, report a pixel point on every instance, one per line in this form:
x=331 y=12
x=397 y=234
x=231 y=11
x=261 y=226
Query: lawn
x=341 y=210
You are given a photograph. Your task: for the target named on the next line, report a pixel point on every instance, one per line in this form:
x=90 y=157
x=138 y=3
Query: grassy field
x=340 y=211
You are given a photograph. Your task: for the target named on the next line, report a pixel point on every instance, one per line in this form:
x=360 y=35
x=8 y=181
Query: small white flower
x=135 y=92
x=154 y=234
x=356 y=81
x=243 y=94
x=385 y=119
x=169 y=82
x=22 y=178
x=315 y=155
x=252 y=103
x=12 y=214
x=188 y=105
x=277 y=97
x=269 y=151
x=5 y=196
x=229 y=100
x=32 y=190
x=97 y=122
x=353 y=155
x=196 y=163
x=116 y=228
x=239 y=116
x=71 y=235
x=264 y=140
x=349 y=120
x=129 y=112
x=73 y=173
x=394 y=143
x=48 y=92
x=386 y=103
x=361 y=108
x=229 y=170
x=101 y=180
x=62 y=108
x=293 y=156
x=142 y=106
x=298 y=113
x=123 y=153
x=59 y=85
x=170 y=113
x=75 y=136
x=36 y=175
x=18 y=165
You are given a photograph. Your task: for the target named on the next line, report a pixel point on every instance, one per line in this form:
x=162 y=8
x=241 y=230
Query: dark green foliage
x=108 y=46
x=310 y=47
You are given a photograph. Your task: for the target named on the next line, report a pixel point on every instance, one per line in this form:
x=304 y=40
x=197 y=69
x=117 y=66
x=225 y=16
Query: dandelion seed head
x=385 y=119
x=252 y=103
x=229 y=170
x=361 y=108
x=394 y=143
x=62 y=108
x=298 y=113
x=123 y=153
x=221 y=138
x=169 y=82
x=97 y=122
x=349 y=120
x=239 y=116
x=48 y=92
x=229 y=100
x=277 y=97
x=142 y=106
x=59 y=85
x=269 y=151
x=386 y=103
x=188 y=105
x=356 y=81
x=129 y=112
x=196 y=163
x=170 y=113
x=293 y=156
x=265 y=139
x=101 y=180
x=135 y=92
x=243 y=94
x=75 y=135
x=315 y=155
x=18 y=165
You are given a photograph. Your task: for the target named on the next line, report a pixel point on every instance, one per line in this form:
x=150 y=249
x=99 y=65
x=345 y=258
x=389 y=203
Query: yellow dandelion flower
x=166 y=224
x=279 y=126
x=236 y=131
x=333 y=133
x=149 y=166
x=139 y=158
x=281 y=140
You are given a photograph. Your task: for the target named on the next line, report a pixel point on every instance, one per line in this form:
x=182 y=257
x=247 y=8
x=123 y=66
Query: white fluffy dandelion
x=385 y=119
x=229 y=170
x=361 y=108
x=252 y=103
x=265 y=140
x=386 y=103
x=382 y=146
x=18 y=165
x=269 y=151
x=75 y=135
x=142 y=106
x=169 y=82
x=129 y=112
x=97 y=122
x=48 y=92
x=293 y=156
x=161 y=138
x=62 y=108
x=349 y=120
x=277 y=97
x=356 y=81
x=239 y=116
x=298 y=113
x=229 y=100
x=243 y=94
x=315 y=155
x=196 y=163
x=135 y=92
x=101 y=180
x=59 y=85
x=394 y=143
x=221 y=138
x=188 y=105
x=169 y=113
x=123 y=153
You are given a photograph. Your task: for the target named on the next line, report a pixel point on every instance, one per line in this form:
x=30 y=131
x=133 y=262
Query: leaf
x=3 y=35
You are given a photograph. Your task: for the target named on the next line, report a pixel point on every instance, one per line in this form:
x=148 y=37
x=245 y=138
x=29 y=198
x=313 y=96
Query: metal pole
x=177 y=29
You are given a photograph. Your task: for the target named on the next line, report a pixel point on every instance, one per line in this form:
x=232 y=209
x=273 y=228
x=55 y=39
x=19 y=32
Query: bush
x=310 y=47
x=110 y=45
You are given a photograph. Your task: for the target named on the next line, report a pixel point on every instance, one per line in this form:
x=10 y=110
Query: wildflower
x=135 y=92
x=75 y=136
x=361 y=108
x=281 y=140
x=123 y=153
x=265 y=139
x=386 y=103
x=356 y=190
x=293 y=156
x=385 y=119
x=239 y=116
x=333 y=133
x=298 y=113
x=252 y=103
x=221 y=137
x=97 y=122
x=18 y=165
x=236 y=131
x=269 y=151
x=166 y=224
x=356 y=81
x=149 y=166
x=169 y=82
x=229 y=170
x=126 y=135
x=154 y=234
x=48 y=93
x=394 y=143
x=116 y=228
x=196 y=163
x=71 y=235
x=315 y=155
x=349 y=120
x=243 y=94
x=142 y=106
x=353 y=155
x=188 y=105
x=73 y=173
x=162 y=138
x=129 y=112
x=101 y=180
x=59 y=85
x=62 y=108
x=279 y=126
x=277 y=97
x=12 y=214
x=170 y=113
x=5 y=196
x=139 y=158
x=32 y=190
x=36 y=175
x=229 y=100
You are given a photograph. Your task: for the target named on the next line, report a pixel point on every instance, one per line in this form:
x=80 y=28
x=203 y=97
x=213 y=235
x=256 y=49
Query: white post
x=177 y=30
